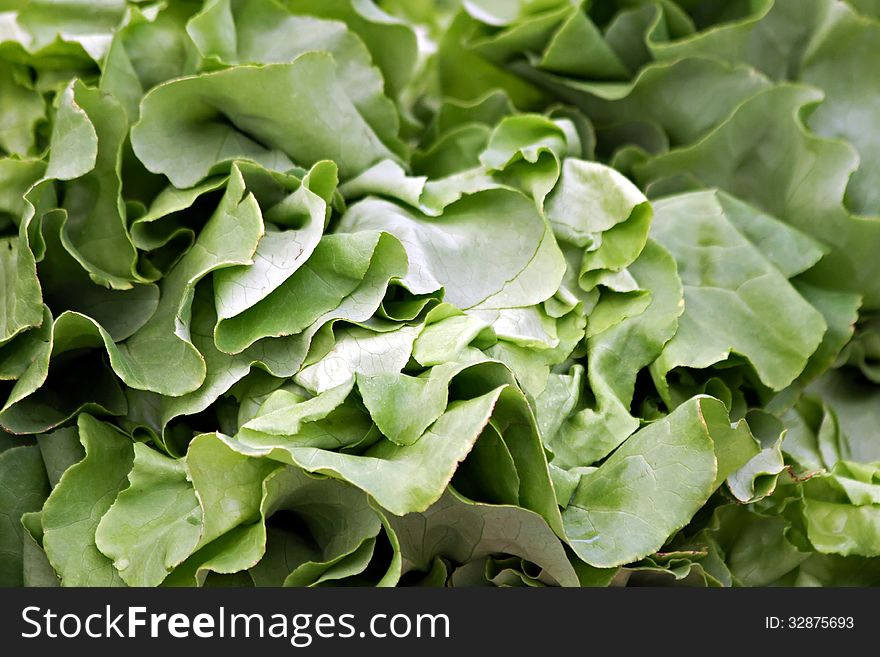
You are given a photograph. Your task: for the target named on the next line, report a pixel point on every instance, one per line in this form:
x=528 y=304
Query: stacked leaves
x=340 y=292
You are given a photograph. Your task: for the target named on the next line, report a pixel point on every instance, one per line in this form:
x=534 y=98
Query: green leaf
x=134 y=64
x=326 y=421
x=578 y=49
x=254 y=32
x=793 y=175
x=93 y=130
x=229 y=238
x=67 y=286
x=400 y=478
x=757 y=549
x=392 y=43
x=85 y=22
x=722 y=268
x=854 y=407
x=590 y=200
x=336 y=268
x=359 y=351
x=848 y=42
x=154 y=524
x=526 y=265
x=757 y=478
x=842 y=528
x=60 y=450
x=482 y=530
x=615 y=357
x=771 y=36
x=21 y=109
x=236 y=119
x=22 y=304
x=195 y=507
x=47 y=396
x=36 y=569
x=94 y=484
x=333 y=521
x=649 y=488
x=427 y=395
x=282 y=357
x=279 y=254
x=23 y=488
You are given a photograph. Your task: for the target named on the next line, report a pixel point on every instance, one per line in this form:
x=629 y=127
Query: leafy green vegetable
x=466 y=293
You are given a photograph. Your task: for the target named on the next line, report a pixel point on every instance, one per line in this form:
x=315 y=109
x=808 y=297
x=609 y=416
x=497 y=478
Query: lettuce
x=381 y=293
